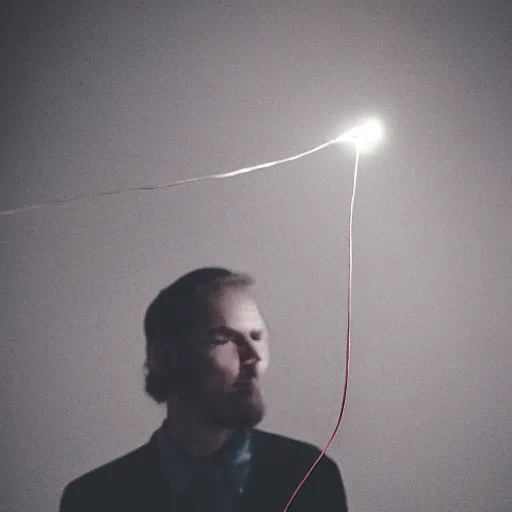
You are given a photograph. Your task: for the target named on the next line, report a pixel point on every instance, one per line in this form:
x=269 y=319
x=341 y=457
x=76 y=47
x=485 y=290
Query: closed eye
x=221 y=340
x=222 y=335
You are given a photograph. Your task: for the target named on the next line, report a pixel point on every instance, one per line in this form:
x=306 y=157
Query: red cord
x=349 y=314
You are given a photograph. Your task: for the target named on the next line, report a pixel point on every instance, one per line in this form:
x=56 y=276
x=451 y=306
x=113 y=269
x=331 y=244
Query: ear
x=161 y=358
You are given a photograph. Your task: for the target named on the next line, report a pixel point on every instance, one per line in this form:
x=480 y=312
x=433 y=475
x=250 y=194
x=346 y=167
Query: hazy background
x=101 y=95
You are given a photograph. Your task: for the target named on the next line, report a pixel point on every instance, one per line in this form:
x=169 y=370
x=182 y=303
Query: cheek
x=225 y=360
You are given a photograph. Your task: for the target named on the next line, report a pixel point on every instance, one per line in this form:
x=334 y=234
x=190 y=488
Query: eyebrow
x=226 y=330
x=221 y=330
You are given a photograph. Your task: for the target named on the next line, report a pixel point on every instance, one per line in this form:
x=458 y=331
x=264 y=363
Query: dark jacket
x=136 y=482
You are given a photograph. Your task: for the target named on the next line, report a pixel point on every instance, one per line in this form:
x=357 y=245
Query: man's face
x=228 y=355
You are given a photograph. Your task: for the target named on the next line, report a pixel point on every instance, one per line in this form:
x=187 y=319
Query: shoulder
x=116 y=476
x=293 y=451
x=283 y=462
x=283 y=444
x=124 y=466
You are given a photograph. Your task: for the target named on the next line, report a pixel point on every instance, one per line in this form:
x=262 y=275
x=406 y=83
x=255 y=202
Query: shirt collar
x=231 y=462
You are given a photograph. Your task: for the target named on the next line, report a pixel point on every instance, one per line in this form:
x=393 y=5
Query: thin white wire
x=243 y=170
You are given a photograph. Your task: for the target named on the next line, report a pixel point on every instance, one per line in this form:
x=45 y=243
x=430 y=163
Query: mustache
x=247 y=373
x=246 y=381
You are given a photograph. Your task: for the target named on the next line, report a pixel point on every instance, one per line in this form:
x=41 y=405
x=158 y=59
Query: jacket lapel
x=266 y=489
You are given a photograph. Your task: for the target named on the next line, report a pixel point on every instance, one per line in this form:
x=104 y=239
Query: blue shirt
x=210 y=483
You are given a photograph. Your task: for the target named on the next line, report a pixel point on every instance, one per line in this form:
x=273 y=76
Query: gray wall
x=102 y=95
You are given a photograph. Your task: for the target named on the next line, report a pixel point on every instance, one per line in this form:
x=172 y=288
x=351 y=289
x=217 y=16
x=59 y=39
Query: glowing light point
x=365 y=136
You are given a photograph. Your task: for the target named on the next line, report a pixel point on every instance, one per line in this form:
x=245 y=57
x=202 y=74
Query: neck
x=196 y=436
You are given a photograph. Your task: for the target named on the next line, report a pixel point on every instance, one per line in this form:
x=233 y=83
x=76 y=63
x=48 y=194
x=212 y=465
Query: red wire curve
x=349 y=319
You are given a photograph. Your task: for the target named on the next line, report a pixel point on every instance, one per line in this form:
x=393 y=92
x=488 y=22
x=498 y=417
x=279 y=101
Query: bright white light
x=365 y=136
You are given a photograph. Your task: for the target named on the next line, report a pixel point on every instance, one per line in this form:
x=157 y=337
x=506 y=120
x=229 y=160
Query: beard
x=236 y=409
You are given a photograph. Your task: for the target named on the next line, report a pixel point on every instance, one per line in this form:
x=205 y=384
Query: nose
x=249 y=356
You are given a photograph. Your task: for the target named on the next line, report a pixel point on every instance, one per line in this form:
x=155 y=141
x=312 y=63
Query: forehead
x=233 y=307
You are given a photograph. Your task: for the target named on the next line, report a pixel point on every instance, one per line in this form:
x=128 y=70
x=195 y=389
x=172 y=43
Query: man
x=207 y=347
